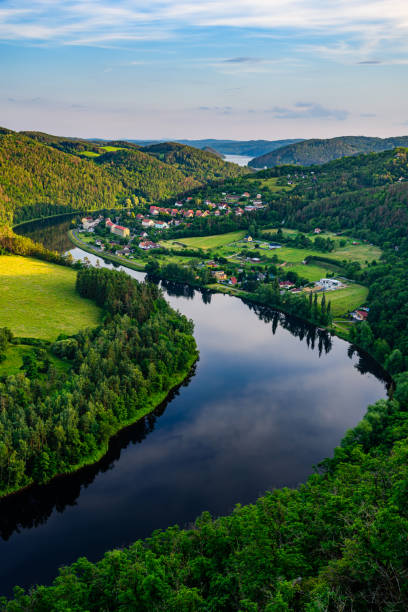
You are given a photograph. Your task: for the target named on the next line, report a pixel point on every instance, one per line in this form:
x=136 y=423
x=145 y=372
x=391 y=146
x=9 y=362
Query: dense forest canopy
x=320 y=151
x=203 y=165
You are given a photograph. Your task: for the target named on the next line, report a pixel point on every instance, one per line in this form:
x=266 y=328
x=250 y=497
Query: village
x=233 y=262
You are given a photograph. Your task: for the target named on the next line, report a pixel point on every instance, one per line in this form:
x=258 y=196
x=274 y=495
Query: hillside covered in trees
x=202 y=165
x=320 y=151
x=42 y=175
x=37 y=180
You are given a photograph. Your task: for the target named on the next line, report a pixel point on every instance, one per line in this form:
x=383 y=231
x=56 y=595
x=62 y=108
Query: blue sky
x=211 y=68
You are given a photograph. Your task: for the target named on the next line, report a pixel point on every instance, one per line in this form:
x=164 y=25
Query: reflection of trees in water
x=313 y=336
x=177 y=289
x=365 y=364
x=34 y=506
x=52 y=235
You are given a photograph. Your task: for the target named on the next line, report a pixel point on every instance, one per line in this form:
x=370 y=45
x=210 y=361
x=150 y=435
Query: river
x=241 y=160
x=269 y=398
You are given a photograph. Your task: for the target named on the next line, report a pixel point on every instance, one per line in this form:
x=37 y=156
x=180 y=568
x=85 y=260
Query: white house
x=147 y=223
x=328 y=284
x=161 y=225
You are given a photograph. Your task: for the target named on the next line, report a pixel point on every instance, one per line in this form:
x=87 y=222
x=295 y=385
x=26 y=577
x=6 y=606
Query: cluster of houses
x=179 y=211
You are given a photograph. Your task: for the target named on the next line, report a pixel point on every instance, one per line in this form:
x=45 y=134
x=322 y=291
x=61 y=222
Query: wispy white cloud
x=308 y=110
x=94 y=21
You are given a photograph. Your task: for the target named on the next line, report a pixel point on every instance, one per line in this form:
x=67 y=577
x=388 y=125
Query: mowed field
x=205 y=242
x=347 y=299
x=361 y=252
x=38 y=299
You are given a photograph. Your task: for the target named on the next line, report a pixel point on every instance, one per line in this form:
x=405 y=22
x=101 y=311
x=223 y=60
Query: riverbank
x=65 y=214
x=216 y=288
x=154 y=402
x=334 y=329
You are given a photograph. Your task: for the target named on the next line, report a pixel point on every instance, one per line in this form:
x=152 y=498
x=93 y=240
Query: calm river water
x=269 y=398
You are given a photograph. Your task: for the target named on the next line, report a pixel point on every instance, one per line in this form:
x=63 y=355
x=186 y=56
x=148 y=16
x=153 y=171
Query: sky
x=239 y=69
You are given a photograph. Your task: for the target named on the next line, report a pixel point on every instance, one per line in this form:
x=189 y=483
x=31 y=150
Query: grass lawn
x=89 y=154
x=14 y=360
x=345 y=300
x=271 y=183
x=311 y=272
x=205 y=242
x=110 y=149
x=38 y=299
x=358 y=252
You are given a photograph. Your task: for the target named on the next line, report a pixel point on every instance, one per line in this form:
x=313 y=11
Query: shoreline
x=155 y=401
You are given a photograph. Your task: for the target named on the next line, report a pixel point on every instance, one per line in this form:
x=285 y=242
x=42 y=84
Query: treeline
x=309 y=308
x=51 y=422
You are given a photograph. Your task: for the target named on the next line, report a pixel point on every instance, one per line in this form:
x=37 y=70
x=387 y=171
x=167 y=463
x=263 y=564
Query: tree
x=395 y=362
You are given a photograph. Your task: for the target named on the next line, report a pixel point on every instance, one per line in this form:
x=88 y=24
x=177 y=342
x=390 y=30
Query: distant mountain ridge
x=320 y=151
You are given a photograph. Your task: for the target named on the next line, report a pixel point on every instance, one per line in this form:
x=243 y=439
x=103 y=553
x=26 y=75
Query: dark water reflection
x=270 y=398
x=54 y=235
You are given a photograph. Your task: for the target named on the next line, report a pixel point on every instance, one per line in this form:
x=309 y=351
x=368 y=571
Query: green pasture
x=205 y=242
x=38 y=299
x=347 y=299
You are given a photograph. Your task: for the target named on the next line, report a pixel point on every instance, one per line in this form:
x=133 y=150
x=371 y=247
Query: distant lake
x=269 y=398
x=241 y=160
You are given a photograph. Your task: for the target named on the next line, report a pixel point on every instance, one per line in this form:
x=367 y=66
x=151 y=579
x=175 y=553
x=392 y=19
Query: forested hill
x=143 y=174
x=316 y=151
x=78 y=146
x=251 y=148
x=202 y=165
x=37 y=180
x=42 y=175
x=367 y=194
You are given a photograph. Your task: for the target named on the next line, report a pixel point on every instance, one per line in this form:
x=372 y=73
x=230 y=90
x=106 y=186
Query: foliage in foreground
x=340 y=542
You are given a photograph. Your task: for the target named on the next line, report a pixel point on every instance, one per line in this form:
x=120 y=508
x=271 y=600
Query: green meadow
x=205 y=242
x=38 y=299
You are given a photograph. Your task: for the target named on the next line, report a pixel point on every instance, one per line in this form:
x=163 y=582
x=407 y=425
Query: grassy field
x=89 y=154
x=358 y=252
x=311 y=272
x=205 y=242
x=110 y=149
x=271 y=183
x=362 y=253
x=14 y=360
x=38 y=299
x=345 y=300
